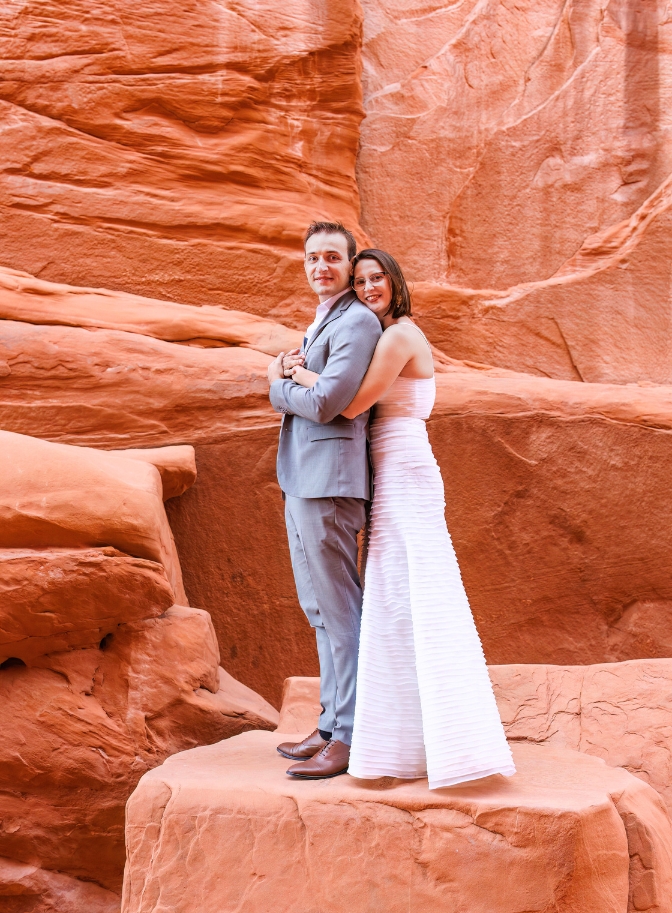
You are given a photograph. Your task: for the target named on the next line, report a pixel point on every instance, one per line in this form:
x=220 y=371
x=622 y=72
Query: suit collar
x=339 y=308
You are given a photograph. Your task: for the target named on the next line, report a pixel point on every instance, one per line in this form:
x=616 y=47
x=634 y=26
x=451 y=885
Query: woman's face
x=373 y=287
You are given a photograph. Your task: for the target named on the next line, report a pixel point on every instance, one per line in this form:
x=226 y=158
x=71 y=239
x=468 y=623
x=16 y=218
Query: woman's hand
x=303 y=376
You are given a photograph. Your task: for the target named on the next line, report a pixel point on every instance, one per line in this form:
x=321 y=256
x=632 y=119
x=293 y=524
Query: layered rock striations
x=540 y=474
x=111 y=370
x=498 y=137
x=178 y=149
x=104 y=669
x=516 y=159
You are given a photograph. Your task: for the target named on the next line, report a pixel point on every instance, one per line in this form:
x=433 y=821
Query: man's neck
x=334 y=295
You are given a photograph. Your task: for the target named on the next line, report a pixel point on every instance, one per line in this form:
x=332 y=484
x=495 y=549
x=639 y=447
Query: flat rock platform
x=222 y=829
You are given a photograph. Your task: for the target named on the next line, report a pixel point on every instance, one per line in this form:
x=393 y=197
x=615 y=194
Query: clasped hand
x=285 y=365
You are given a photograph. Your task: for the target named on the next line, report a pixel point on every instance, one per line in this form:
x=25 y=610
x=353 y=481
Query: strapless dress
x=425 y=705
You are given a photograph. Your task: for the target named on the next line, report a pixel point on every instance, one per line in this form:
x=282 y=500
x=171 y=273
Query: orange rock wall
x=515 y=158
x=517 y=155
x=174 y=149
x=498 y=137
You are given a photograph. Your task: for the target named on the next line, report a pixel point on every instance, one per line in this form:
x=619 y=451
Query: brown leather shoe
x=331 y=761
x=301 y=751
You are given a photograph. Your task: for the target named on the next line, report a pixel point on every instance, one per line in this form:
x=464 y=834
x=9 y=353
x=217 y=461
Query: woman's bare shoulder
x=407 y=332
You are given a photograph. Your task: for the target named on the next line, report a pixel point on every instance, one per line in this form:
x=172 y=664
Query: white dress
x=425 y=705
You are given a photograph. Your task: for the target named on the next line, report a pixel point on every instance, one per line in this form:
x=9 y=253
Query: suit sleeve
x=352 y=348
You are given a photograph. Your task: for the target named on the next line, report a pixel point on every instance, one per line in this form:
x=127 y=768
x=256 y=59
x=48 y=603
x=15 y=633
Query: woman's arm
x=304 y=377
x=392 y=354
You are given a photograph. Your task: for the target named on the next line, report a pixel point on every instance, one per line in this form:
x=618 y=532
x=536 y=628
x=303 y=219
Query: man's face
x=327 y=265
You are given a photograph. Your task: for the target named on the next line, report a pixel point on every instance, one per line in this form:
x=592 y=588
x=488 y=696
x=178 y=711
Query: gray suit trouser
x=323 y=544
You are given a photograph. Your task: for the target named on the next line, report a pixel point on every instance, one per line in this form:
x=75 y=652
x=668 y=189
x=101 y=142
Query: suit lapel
x=339 y=308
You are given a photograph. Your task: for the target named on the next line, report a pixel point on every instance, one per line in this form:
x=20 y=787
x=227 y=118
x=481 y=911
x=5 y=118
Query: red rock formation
x=222 y=827
x=550 y=490
x=25 y=298
x=601 y=318
x=517 y=155
x=178 y=149
x=101 y=675
x=498 y=137
x=512 y=157
x=58 y=599
x=143 y=392
x=542 y=476
x=616 y=711
x=124 y=502
x=619 y=712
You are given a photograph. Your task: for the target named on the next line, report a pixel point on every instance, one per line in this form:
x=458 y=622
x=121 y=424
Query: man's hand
x=275 y=371
x=291 y=360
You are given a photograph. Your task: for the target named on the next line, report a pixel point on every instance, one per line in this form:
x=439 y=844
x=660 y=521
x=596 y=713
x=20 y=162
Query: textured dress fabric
x=425 y=705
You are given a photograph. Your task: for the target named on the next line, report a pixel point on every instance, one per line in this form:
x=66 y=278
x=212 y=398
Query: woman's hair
x=400 y=305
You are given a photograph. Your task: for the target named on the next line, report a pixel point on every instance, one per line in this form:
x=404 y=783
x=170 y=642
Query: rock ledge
x=221 y=828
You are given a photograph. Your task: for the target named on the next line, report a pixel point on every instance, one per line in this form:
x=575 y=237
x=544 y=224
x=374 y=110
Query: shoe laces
x=327 y=748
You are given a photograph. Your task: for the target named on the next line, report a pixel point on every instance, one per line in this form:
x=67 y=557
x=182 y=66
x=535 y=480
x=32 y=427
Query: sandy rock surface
x=551 y=501
x=619 y=712
x=106 y=389
x=176 y=465
x=31 y=888
x=25 y=298
x=41 y=504
x=222 y=826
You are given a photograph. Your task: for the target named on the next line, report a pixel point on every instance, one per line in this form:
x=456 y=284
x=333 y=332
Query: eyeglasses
x=376 y=279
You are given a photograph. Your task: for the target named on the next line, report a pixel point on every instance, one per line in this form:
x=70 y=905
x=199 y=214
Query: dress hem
x=507 y=771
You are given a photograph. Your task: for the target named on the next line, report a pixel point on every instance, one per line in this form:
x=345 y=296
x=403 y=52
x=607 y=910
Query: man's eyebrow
x=330 y=251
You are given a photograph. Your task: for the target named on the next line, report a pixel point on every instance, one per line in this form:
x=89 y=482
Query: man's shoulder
x=361 y=315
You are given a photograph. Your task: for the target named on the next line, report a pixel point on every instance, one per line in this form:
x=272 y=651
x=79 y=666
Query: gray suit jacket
x=321 y=453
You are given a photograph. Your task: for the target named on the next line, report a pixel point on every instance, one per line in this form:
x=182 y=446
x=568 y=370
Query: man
x=323 y=470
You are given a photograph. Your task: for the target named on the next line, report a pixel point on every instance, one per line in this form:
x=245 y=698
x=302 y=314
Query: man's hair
x=401 y=297
x=332 y=228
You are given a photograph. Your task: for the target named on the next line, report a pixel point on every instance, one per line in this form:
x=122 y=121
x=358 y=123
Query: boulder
x=81 y=727
x=58 y=599
x=619 y=712
x=221 y=827
x=58 y=495
x=102 y=676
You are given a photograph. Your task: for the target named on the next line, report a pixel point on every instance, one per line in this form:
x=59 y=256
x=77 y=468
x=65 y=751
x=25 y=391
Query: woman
x=425 y=705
